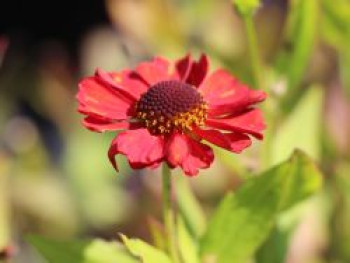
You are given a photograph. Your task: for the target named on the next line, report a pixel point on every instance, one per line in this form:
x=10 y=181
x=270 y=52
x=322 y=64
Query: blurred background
x=55 y=178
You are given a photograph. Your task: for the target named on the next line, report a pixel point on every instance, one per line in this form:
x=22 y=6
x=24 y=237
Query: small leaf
x=93 y=251
x=143 y=250
x=244 y=220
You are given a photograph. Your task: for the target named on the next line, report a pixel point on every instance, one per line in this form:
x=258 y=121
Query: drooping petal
x=95 y=98
x=183 y=67
x=158 y=69
x=234 y=142
x=198 y=71
x=226 y=95
x=96 y=124
x=250 y=122
x=189 y=154
x=140 y=147
x=177 y=150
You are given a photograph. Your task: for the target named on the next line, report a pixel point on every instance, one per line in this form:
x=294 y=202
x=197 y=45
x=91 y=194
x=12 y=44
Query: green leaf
x=301 y=129
x=275 y=248
x=335 y=23
x=301 y=34
x=244 y=220
x=93 y=251
x=190 y=208
x=187 y=245
x=143 y=250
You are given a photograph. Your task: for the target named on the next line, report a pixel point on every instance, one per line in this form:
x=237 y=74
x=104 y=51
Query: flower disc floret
x=170 y=106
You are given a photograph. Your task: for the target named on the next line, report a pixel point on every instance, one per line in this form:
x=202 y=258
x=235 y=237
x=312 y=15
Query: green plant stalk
x=168 y=215
x=259 y=83
x=255 y=58
x=190 y=208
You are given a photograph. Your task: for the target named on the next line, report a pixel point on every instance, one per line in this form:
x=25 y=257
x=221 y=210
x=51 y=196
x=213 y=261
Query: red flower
x=168 y=109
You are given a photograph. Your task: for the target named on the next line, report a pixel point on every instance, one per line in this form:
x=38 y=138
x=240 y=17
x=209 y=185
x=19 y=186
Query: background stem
x=259 y=83
x=254 y=52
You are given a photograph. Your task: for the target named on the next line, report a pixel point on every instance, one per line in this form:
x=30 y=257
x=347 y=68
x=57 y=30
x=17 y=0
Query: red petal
x=120 y=83
x=198 y=71
x=234 y=142
x=189 y=154
x=250 y=122
x=140 y=147
x=177 y=150
x=153 y=165
x=157 y=70
x=98 y=99
x=183 y=67
x=226 y=95
x=131 y=81
x=100 y=125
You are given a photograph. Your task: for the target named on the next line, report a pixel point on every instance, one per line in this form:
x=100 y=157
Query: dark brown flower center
x=171 y=105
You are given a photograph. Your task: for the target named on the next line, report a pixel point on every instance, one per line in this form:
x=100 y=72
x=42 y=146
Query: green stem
x=258 y=74
x=168 y=216
x=254 y=53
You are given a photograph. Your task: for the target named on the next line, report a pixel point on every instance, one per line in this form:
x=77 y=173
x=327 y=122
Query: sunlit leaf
x=244 y=220
x=93 y=251
x=301 y=129
x=144 y=251
x=187 y=245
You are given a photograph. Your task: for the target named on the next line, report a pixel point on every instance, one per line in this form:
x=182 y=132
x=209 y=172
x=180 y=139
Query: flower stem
x=169 y=215
x=254 y=53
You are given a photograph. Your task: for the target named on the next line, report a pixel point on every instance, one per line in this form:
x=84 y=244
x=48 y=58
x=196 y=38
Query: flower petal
x=96 y=124
x=177 y=150
x=158 y=69
x=131 y=92
x=250 y=122
x=198 y=71
x=189 y=154
x=140 y=147
x=95 y=98
x=226 y=95
x=183 y=67
x=131 y=81
x=234 y=142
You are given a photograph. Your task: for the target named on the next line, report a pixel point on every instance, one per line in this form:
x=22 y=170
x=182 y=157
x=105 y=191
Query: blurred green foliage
x=55 y=179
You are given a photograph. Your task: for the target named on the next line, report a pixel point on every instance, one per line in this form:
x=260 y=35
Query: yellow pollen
x=171 y=106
